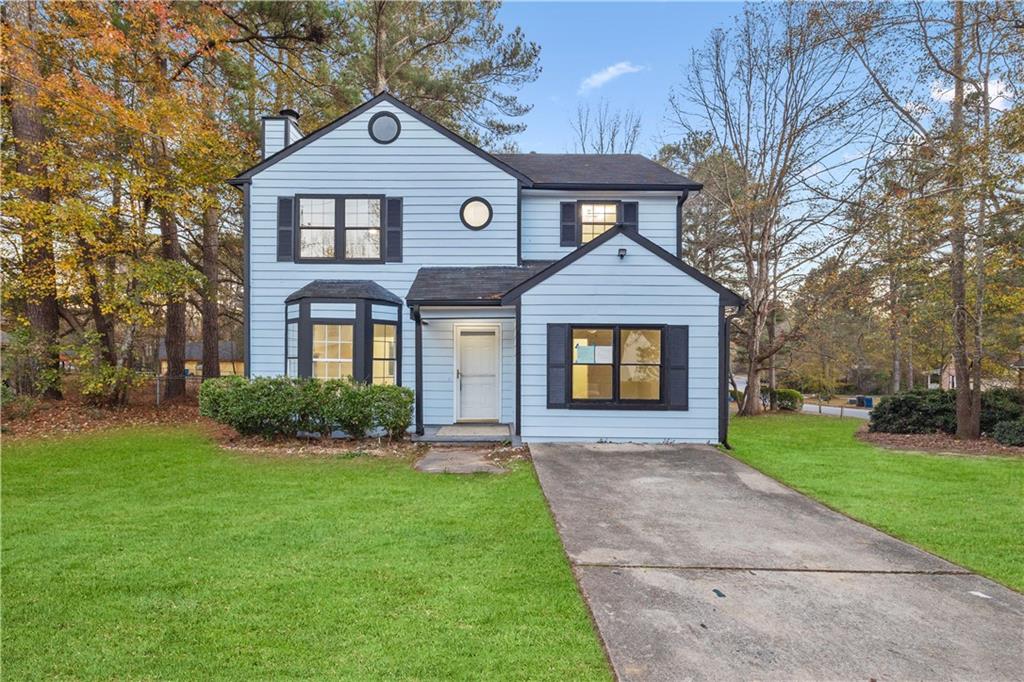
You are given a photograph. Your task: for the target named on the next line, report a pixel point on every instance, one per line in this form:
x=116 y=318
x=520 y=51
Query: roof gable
x=727 y=296
x=312 y=137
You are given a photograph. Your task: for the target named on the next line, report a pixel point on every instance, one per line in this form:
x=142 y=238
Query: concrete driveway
x=696 y=566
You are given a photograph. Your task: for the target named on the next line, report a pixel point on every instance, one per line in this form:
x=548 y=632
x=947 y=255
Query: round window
x=384 y=127
x=476 y=213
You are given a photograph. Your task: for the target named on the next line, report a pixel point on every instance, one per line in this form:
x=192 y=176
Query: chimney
x=280 y=131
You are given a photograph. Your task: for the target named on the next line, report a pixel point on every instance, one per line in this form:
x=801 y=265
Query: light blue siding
x=541 y=219
x=385 y=312
x=432 y=174
x=439 y=361
x=638 y=289
x=273 y=136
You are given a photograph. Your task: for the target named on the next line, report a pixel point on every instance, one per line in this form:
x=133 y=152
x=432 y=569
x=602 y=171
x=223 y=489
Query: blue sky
x=646 y=44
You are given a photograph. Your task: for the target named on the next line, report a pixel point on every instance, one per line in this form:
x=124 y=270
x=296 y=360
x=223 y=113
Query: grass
x=969 y=510
x=153 y=554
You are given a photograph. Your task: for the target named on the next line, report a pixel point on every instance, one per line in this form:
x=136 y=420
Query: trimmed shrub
x=1000 y=405
x=1009 y=432
x=789 y=399
x=352 y=410
x=212 y=395
x=923 y=411
x=392 y=409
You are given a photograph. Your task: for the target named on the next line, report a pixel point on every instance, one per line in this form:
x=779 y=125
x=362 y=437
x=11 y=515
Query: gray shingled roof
x=469 y=285
x=620 y=171
x=344 y=288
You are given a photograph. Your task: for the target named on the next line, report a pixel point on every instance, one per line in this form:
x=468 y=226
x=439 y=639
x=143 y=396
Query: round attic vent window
x=384 y=127
x=476 y=213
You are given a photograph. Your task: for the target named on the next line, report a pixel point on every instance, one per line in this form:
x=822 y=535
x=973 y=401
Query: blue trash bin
x=869 y=402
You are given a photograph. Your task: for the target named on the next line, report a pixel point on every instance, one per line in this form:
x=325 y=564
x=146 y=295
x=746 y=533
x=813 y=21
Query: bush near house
x=1009 y=432
x=283 y=406
x=928 y=411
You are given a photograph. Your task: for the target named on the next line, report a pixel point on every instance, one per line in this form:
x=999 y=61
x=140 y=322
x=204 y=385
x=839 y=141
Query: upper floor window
x=476 y=213
x=316 y=228
x=384 y=127
x=339 y=228
x=596 y=218
x=362 y=229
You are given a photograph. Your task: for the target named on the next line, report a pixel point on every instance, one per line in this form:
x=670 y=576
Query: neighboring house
x=542 y=291
x=945 y=378
x=231 y=361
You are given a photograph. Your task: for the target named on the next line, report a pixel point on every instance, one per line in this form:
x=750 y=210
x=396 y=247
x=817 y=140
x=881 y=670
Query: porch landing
x=467 y=433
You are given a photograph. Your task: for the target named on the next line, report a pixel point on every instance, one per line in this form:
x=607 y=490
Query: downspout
x=725 y=363
x=414 y=313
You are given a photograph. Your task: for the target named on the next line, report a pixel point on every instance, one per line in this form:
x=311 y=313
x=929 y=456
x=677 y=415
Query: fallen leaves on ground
x=938 y=442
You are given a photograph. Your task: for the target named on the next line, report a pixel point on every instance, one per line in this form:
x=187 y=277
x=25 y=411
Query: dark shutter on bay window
x=630 y=215
x=677 y=365
x=393 y=236
x=285 y=229
x=567 y=235
x=558 y=361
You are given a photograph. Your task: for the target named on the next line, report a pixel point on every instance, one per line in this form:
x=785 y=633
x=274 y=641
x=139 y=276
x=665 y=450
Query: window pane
x=384 y=341
x=596 y=219
x=332 y=342
x=384 y=371
x=640 y=346
x=639 y=382
x=292 y=367
x=476 y=213
x=592 y=346
x=293 y=339
x=326 y=369
x=592 y=382
x=316 y=212
x=362 y=213
x=362 y=243
x=316 y=243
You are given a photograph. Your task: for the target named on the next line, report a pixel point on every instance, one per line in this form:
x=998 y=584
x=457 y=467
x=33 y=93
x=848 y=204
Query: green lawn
x=153 y=554
x=969 y=510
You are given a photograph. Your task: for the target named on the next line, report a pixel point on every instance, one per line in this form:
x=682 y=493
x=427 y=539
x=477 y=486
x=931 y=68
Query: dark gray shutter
x=631 y=215
x=558 y=359
x=677 y=367
x=285 y=236
x=393 y=238
x=568 y=224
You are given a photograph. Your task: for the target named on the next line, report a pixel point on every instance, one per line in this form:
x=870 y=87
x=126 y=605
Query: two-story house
x=540 y=291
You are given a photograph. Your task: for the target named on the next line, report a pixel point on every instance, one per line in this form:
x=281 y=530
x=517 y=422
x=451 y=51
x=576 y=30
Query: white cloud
x=1000 y=93
x=599 y=78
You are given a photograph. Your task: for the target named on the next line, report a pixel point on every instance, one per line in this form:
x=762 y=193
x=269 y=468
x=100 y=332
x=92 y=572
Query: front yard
x=150 y=553
x=967 y=509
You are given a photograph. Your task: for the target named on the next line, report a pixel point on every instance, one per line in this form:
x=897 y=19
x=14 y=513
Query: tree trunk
x=210 y=293
x=39 y=267
x=968 y=419
x=772 y=381
x=174 y=323
x=380 y=37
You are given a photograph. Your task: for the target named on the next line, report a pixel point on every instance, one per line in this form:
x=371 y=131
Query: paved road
x=696 y=566
x=856 y=413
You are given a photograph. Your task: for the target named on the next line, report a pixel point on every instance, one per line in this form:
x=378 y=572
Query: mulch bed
x=941 y=443
x=49 y=419
x=46 y=419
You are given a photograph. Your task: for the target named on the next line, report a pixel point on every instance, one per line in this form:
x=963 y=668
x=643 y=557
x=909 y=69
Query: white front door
x=477 y=368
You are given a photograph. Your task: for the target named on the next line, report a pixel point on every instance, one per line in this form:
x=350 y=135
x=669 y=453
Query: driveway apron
x=696 y=566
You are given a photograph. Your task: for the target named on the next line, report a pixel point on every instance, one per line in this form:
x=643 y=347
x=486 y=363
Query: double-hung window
x=362 y=228
x=385 y=352
x=317 y=232
x=340 y=228
x=596 y=218
x=616 y=365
